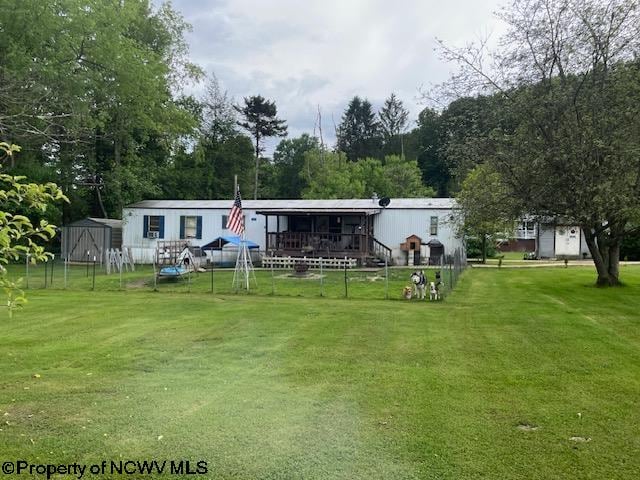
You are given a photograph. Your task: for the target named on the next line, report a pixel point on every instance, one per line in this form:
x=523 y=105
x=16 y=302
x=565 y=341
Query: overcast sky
x=305 y=53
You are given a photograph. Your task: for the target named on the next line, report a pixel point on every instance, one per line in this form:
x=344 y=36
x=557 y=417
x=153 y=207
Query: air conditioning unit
x=152 y=234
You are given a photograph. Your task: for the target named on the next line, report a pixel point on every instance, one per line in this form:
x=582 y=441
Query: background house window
x=433 y=228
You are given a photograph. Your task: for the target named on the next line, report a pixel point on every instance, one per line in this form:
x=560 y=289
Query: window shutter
x=199 y=227
x=145 y=226
x=181 y=226
x=161 y=233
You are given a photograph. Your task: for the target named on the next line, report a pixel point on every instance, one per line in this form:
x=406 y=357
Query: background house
x=355 y=228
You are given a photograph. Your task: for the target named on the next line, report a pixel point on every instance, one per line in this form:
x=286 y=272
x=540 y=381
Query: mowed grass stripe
x=274 y=387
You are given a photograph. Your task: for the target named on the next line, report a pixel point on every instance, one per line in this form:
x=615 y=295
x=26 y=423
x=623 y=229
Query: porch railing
x=318 y=244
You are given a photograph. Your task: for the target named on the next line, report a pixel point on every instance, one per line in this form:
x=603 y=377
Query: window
x=154 y=223
x=153 y=226
x=433 y=229
x=190 y=227
x=225 y=219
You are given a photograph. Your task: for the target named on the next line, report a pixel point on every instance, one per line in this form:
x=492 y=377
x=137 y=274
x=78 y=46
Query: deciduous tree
x=568 y=74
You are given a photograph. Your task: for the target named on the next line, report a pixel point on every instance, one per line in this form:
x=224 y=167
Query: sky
x=310 y=54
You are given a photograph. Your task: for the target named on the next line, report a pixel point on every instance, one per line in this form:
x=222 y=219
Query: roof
x=98 y=222
x=367 y=205
x=220 y=242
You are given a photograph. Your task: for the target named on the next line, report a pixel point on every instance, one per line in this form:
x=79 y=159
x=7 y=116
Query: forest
x=96 y=95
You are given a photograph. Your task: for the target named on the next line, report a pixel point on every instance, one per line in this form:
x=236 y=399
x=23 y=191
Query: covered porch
x=320 y=233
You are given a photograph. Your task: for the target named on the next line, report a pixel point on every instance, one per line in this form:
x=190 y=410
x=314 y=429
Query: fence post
x=93 y=284
x=386 y=279
x=46 y=272
x=321 y=280
x=212 y=264
x=27 y=270
x=273 y=280
x=53 y=263
x=346 y=287
x=66 y=266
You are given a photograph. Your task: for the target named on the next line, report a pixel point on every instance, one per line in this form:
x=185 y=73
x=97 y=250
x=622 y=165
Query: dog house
x=412 y=245
x=84 y=239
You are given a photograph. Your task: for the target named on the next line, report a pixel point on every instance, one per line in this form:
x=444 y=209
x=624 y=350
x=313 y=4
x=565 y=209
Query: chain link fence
x=383 y=282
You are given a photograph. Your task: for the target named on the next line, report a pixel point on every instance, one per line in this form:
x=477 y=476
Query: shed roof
x=285 y=206
x=96 y=222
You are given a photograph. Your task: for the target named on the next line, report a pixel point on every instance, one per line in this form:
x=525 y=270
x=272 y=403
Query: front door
x=567 y=241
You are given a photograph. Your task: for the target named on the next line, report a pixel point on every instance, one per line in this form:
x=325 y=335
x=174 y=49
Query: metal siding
x=391 y=227
x=546 y=241
x=143 y=249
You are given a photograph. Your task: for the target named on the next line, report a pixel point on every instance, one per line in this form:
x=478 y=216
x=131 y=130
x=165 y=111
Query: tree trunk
x=484 y=248
x=255 y=185
x=606 y=256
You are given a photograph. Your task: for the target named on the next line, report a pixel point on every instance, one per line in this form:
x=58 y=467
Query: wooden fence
x=315 y=262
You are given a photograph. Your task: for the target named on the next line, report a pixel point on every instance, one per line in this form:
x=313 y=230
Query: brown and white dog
x=407 y=292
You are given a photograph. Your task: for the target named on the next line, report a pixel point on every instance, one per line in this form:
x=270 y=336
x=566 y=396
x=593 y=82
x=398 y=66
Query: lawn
x=522 y=373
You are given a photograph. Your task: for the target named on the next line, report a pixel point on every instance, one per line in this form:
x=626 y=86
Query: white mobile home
x=408 y=230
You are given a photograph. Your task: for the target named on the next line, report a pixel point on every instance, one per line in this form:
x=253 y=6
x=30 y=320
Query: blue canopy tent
x=228 y=246
x=234 y=240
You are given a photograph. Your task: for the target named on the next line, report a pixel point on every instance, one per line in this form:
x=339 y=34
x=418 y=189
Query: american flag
x=235 y=222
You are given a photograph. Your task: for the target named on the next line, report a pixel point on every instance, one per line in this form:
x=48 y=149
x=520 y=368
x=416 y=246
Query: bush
x=474 y=248
x=630 y=248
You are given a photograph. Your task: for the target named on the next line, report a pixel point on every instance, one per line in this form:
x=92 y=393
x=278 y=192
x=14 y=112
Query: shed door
x=567 y=241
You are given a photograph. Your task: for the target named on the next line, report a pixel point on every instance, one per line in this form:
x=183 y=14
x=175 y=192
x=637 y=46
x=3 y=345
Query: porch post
x=266 y=233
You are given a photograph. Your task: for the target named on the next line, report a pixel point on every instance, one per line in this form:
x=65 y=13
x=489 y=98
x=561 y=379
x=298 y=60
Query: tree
x=487 y=210
x=568 y=78
x=359 y=132
x=91 y=88
x=330 y=175
x=394 y=118
x=289 y=160
x=219 y=118
x=259 y=118
x=18 y=234
x=426 y=144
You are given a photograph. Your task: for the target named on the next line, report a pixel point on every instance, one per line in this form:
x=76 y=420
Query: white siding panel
x=393 y=226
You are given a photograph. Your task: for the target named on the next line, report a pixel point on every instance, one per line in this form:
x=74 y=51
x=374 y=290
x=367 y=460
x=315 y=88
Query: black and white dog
x=419 y=282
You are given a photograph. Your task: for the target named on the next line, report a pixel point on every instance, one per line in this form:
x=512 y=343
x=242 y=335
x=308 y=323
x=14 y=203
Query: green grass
x=280 y=387
x=362 y=284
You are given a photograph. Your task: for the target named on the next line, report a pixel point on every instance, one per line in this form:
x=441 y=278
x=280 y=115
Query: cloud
x=306 y=55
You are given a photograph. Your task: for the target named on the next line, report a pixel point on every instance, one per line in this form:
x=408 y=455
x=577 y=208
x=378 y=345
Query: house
x=361 y=229
x=560 y=240
x=547 y=239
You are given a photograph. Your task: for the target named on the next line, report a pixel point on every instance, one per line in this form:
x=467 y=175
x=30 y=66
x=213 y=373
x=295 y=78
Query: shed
x=89 y=237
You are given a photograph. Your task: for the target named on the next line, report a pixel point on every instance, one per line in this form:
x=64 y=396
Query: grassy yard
x=528 y=374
